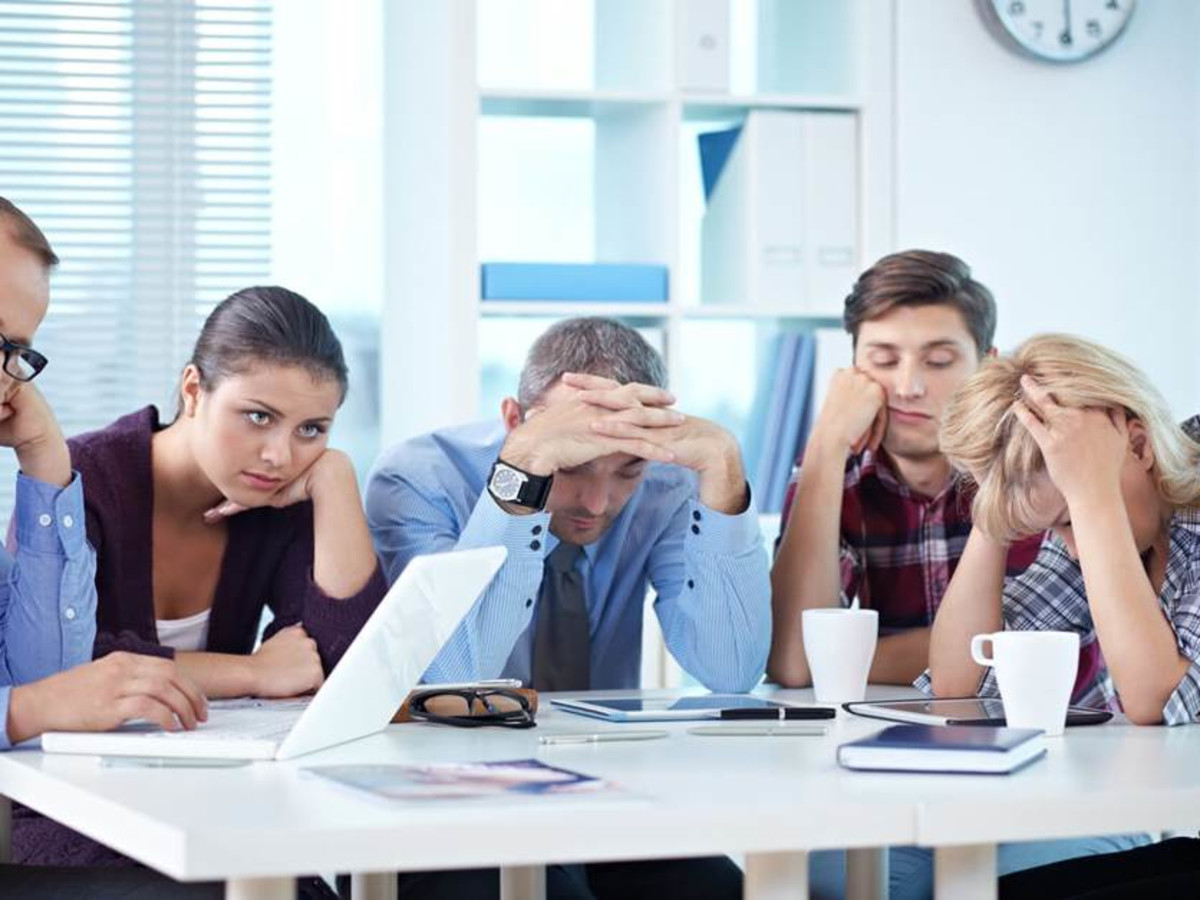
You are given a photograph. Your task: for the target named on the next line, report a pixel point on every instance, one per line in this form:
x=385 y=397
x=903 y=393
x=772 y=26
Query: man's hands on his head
x=694 y=443
x=854 y=416
x=27 y=424
x=101 y=695
x=561 y=435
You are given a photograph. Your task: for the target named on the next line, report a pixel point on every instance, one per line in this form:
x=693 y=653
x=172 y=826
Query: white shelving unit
x=436 y=106
x=437 y=115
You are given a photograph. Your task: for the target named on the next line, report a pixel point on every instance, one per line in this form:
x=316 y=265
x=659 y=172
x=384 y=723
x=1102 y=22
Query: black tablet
x=957 y=711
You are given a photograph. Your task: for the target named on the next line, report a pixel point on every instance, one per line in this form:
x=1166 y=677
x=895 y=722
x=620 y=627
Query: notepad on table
x=944 y=748
x=431 y=781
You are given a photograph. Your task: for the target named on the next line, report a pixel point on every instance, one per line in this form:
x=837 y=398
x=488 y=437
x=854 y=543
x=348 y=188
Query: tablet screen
x=961 y=708
x=970 y=710
x=663 y=704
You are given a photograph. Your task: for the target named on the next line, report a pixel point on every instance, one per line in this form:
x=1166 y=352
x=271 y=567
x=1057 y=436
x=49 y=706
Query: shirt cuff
x=1183 y=705
x=718 y=532
x=5 y=694
x=523 y=536
x=50 y=519
x=924 y=684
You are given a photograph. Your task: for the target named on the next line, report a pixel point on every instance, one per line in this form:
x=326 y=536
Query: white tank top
x=185 y=635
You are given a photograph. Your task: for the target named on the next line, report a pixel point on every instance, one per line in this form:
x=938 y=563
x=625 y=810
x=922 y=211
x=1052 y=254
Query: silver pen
x=170 y=762
x=602 y=737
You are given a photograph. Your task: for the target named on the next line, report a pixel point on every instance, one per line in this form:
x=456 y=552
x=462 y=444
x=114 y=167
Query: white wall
x=328 y=107
x=1074 y=192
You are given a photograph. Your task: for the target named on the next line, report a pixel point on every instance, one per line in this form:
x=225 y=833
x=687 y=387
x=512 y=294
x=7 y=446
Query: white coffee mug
x=1036 y=673
x=840 y=645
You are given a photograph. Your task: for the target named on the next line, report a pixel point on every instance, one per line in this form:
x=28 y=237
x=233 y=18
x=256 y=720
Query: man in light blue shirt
x=47 y=585
x=650 y=496
x=597 y=487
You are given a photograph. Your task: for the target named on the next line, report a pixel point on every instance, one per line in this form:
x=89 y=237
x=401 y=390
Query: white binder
x=831 y=198
x=781 y=226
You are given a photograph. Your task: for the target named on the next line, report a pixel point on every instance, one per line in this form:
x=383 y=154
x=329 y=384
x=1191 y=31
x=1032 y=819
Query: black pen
x=779 y=712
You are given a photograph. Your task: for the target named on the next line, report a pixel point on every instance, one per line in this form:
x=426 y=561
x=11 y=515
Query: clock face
x=1061 y=31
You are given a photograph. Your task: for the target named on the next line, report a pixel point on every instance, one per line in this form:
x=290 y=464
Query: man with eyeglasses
x=47 y=585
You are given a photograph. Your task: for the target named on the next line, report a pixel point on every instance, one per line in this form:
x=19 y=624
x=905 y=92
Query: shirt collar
x=1185 y=533
x=878 y=465
x=589 y=550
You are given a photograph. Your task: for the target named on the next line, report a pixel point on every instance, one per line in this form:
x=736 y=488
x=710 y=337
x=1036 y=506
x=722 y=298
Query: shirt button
x=535 y=545
x=70 y=613
x=44 y=520
x=537 y=529
x=695 y=529
x=528 y=603
x=696 y=514
x=691 y=584
x=68 y=521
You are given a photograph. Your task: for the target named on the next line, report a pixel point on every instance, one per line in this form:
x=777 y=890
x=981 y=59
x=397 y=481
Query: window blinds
x=136 y=133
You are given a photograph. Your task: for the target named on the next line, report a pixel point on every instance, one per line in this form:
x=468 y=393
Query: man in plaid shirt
x=875 y=511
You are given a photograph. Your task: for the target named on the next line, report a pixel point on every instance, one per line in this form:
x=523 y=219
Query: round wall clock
x=1057 y=31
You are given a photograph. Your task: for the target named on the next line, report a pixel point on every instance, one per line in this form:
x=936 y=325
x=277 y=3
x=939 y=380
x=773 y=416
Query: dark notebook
x=944 y=748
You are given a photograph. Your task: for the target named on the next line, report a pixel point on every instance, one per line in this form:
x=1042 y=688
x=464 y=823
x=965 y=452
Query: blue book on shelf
x=753 y=444
x=969 y=749
x=767 y=449
x=575 y=281
x=715 y=147
x=794 y=425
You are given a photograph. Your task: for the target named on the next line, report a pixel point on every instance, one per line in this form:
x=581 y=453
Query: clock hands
x=1039 y=28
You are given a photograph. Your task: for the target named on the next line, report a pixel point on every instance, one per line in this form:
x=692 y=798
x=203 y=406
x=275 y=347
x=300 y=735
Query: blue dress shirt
x=709 y=570
x=47 y=589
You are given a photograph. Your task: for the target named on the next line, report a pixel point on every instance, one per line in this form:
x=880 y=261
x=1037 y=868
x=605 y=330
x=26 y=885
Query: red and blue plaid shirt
x=899 y=548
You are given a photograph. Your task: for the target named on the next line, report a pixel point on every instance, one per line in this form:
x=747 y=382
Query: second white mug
x=1036 y=673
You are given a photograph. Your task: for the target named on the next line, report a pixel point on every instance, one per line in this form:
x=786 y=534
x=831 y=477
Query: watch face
x=1061 y=31
x=506 y=483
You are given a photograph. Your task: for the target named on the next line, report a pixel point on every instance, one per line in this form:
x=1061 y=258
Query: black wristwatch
x=509 y=484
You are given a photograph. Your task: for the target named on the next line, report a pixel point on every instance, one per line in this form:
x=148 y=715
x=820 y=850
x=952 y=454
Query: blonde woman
x=1066 y=436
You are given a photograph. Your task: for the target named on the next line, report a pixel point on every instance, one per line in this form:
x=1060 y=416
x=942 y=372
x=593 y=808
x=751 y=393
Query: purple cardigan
x=267 y=563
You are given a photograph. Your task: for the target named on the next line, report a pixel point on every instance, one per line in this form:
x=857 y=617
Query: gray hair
x=595 y=346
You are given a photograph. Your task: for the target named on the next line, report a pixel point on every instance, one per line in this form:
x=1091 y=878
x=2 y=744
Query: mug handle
x=977 y=643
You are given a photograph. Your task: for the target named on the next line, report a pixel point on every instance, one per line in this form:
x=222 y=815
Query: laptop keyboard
x=247 y=719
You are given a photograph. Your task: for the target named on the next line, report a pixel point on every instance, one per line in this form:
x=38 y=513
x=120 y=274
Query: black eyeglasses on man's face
x=21 y=362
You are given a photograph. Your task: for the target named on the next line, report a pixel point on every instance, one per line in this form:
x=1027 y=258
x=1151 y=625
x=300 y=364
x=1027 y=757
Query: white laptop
x=384 y=663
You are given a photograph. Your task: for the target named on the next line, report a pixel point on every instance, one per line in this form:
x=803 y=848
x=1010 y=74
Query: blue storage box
x=621 y=282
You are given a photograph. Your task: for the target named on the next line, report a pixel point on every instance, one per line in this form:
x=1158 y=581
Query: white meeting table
x=771 y=799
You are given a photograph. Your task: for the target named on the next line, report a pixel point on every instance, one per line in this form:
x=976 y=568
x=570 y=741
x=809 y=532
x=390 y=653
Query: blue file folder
x=621 y=282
